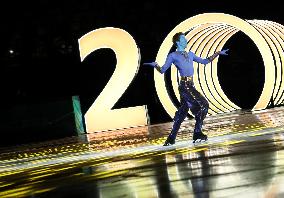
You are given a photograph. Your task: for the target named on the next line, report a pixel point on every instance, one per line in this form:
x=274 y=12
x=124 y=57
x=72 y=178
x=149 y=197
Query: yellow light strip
x=211 y=72
x=274 y=46
x=199 y=77
x=218 y=47
x=205 y=72
x=278 y=33
x=220 y=95
x=194 y=47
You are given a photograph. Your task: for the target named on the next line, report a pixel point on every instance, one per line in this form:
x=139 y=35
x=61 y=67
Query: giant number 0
x=208 y=33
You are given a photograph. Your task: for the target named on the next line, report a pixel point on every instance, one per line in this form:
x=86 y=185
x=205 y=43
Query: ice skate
x=169 y=142
x=199 y=136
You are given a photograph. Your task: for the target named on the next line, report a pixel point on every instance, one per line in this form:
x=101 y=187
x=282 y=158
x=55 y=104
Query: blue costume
x=190 y=98
x=183 y=61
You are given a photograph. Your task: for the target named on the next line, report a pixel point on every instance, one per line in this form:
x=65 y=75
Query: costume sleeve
x=168 y=63
x=200 y=60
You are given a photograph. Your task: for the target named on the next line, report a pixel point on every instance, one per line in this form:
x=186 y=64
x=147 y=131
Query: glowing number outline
x=100 y=116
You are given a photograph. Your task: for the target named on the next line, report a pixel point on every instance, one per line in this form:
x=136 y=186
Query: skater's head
x=179 y=40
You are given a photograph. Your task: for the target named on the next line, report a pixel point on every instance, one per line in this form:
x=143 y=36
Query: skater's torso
x=183 y=62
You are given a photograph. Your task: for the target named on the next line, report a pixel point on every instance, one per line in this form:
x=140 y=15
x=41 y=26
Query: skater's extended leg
x=199 y=110
x=199 y=107
x=178 y=119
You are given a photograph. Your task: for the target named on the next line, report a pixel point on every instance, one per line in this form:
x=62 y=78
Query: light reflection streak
x=236 y=132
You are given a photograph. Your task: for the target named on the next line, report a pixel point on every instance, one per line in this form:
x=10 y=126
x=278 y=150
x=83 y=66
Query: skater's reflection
x=163 y=182
x=195 y=170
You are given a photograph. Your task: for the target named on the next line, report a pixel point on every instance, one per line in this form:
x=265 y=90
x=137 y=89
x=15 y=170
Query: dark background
x=41 y=68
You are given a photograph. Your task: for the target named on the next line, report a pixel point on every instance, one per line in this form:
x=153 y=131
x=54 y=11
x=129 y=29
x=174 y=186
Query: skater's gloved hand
x=224 y=52
x=152 y=64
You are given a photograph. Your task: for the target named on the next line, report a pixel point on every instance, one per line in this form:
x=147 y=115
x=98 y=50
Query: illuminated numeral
x=100 y=116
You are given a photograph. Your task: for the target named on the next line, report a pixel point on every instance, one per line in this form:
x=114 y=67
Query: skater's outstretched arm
x=164 y=68
x=210 y=58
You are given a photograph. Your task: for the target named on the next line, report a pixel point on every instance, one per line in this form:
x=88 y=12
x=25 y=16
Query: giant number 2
x=100 y=116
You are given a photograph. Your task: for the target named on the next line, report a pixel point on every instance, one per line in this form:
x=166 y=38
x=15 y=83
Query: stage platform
x=243 y=157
